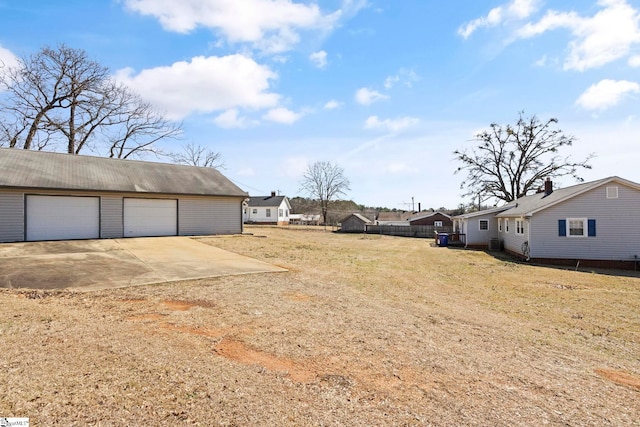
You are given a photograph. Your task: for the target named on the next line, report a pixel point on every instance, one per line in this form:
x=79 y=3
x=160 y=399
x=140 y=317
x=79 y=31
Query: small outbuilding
x=55 y=196
x=354 y=223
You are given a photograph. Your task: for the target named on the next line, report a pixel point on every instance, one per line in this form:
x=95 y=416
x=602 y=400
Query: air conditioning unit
x=495 y=244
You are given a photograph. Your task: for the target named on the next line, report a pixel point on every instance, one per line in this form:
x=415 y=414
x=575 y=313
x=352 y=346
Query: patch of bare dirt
x=619 y=377
x=240 y=352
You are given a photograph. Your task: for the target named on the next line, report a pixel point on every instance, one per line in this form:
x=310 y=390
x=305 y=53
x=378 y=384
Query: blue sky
x=385 y=88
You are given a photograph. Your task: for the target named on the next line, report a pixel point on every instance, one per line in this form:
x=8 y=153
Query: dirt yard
x=362 y=331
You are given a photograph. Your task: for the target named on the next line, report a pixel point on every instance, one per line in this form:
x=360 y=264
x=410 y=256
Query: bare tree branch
x=197 y=155
x=509 y=161
x=324 y=181
x=60 y=99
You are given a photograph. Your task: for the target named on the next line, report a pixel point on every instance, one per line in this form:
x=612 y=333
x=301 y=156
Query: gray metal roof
x=528 y=205
x=46 y=170
x=265 y=201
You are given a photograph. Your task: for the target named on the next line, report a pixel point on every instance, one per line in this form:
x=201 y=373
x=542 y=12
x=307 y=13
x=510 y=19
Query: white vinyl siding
x=111 y=217
x=199 y=216
x=514 y=241
x=11 y=217
x=150 y=217
x=62 y=217
x=617 y=222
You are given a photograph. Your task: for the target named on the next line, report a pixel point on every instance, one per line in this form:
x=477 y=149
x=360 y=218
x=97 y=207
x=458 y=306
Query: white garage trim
x=62 y=217
x=150 y=217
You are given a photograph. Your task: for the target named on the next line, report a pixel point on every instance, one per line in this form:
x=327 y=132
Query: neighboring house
x=305 y=219
x=435 y=219
x=54 y=196
x=354 y=223
x=267 y=210
x=596 y=223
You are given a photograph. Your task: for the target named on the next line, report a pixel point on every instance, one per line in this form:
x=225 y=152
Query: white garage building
x=53 y=196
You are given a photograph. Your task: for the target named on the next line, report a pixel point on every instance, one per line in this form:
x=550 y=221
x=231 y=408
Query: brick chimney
x=548 y=187
x=273 y=194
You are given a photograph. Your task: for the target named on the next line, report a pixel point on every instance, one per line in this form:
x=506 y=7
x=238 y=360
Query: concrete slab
x=100 y=264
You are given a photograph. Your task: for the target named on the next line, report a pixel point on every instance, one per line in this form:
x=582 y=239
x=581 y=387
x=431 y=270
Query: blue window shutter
x=562 y=227
x=591 y=226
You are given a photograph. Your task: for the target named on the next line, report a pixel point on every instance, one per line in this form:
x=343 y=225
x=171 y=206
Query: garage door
x=62 y=217
x=150 y=217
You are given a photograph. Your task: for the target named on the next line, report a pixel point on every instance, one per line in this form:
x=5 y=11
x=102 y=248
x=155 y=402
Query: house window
x=254 y=211
x=519 y=226
x=484 y=224
x=577 y=227
x=280 y=213
x=612 y=192
x=506 y=225
x=437 y=223
x=268 y=213
x=286 y=213
x=500 y=225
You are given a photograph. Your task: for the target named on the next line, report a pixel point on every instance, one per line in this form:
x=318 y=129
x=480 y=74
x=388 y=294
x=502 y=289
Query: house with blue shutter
x=595 y=223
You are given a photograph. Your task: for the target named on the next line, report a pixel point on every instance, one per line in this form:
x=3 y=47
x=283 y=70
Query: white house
x=594 y=223
x=267 y=210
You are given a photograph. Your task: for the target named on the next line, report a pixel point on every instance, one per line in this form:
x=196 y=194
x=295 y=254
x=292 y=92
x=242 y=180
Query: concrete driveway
x=101 y=264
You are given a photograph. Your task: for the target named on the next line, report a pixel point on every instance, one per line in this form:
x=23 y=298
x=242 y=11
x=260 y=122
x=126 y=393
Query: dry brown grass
x=361 y=331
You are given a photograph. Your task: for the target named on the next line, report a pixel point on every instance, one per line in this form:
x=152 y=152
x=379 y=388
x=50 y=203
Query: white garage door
x=63 y=217
x=150 y=217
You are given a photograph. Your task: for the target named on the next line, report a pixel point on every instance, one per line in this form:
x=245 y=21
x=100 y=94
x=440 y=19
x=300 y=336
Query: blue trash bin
x=443 y=239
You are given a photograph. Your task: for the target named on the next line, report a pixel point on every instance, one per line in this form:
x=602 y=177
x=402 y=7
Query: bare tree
x=60 y=99
x=324 y=181
x=197 y=155
x=511 y=161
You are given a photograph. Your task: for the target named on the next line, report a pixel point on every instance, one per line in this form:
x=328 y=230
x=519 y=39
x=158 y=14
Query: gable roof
x=47 y=170
x=361 y=217
x=527 y=206
x=266 y=201
x=422 y=215
x=394 y=216
x=492 y=211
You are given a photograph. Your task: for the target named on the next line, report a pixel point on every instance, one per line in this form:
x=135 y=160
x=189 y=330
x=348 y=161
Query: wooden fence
x=422 y=231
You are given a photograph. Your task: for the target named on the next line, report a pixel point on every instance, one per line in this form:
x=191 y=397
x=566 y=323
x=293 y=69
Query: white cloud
x=512 y=11
x=634 y=61
x=597 y=40
x=204 y=85
x=282 y=115
x=319 y=58
x=405 y=77
x=294 y=166
x=230 y=120
x=332 y=105
x=7 y=59
x=270 y=25
x=606 y=93
x=367 y=96
x=390 y=81
x=392 y=125
x=400 y=168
